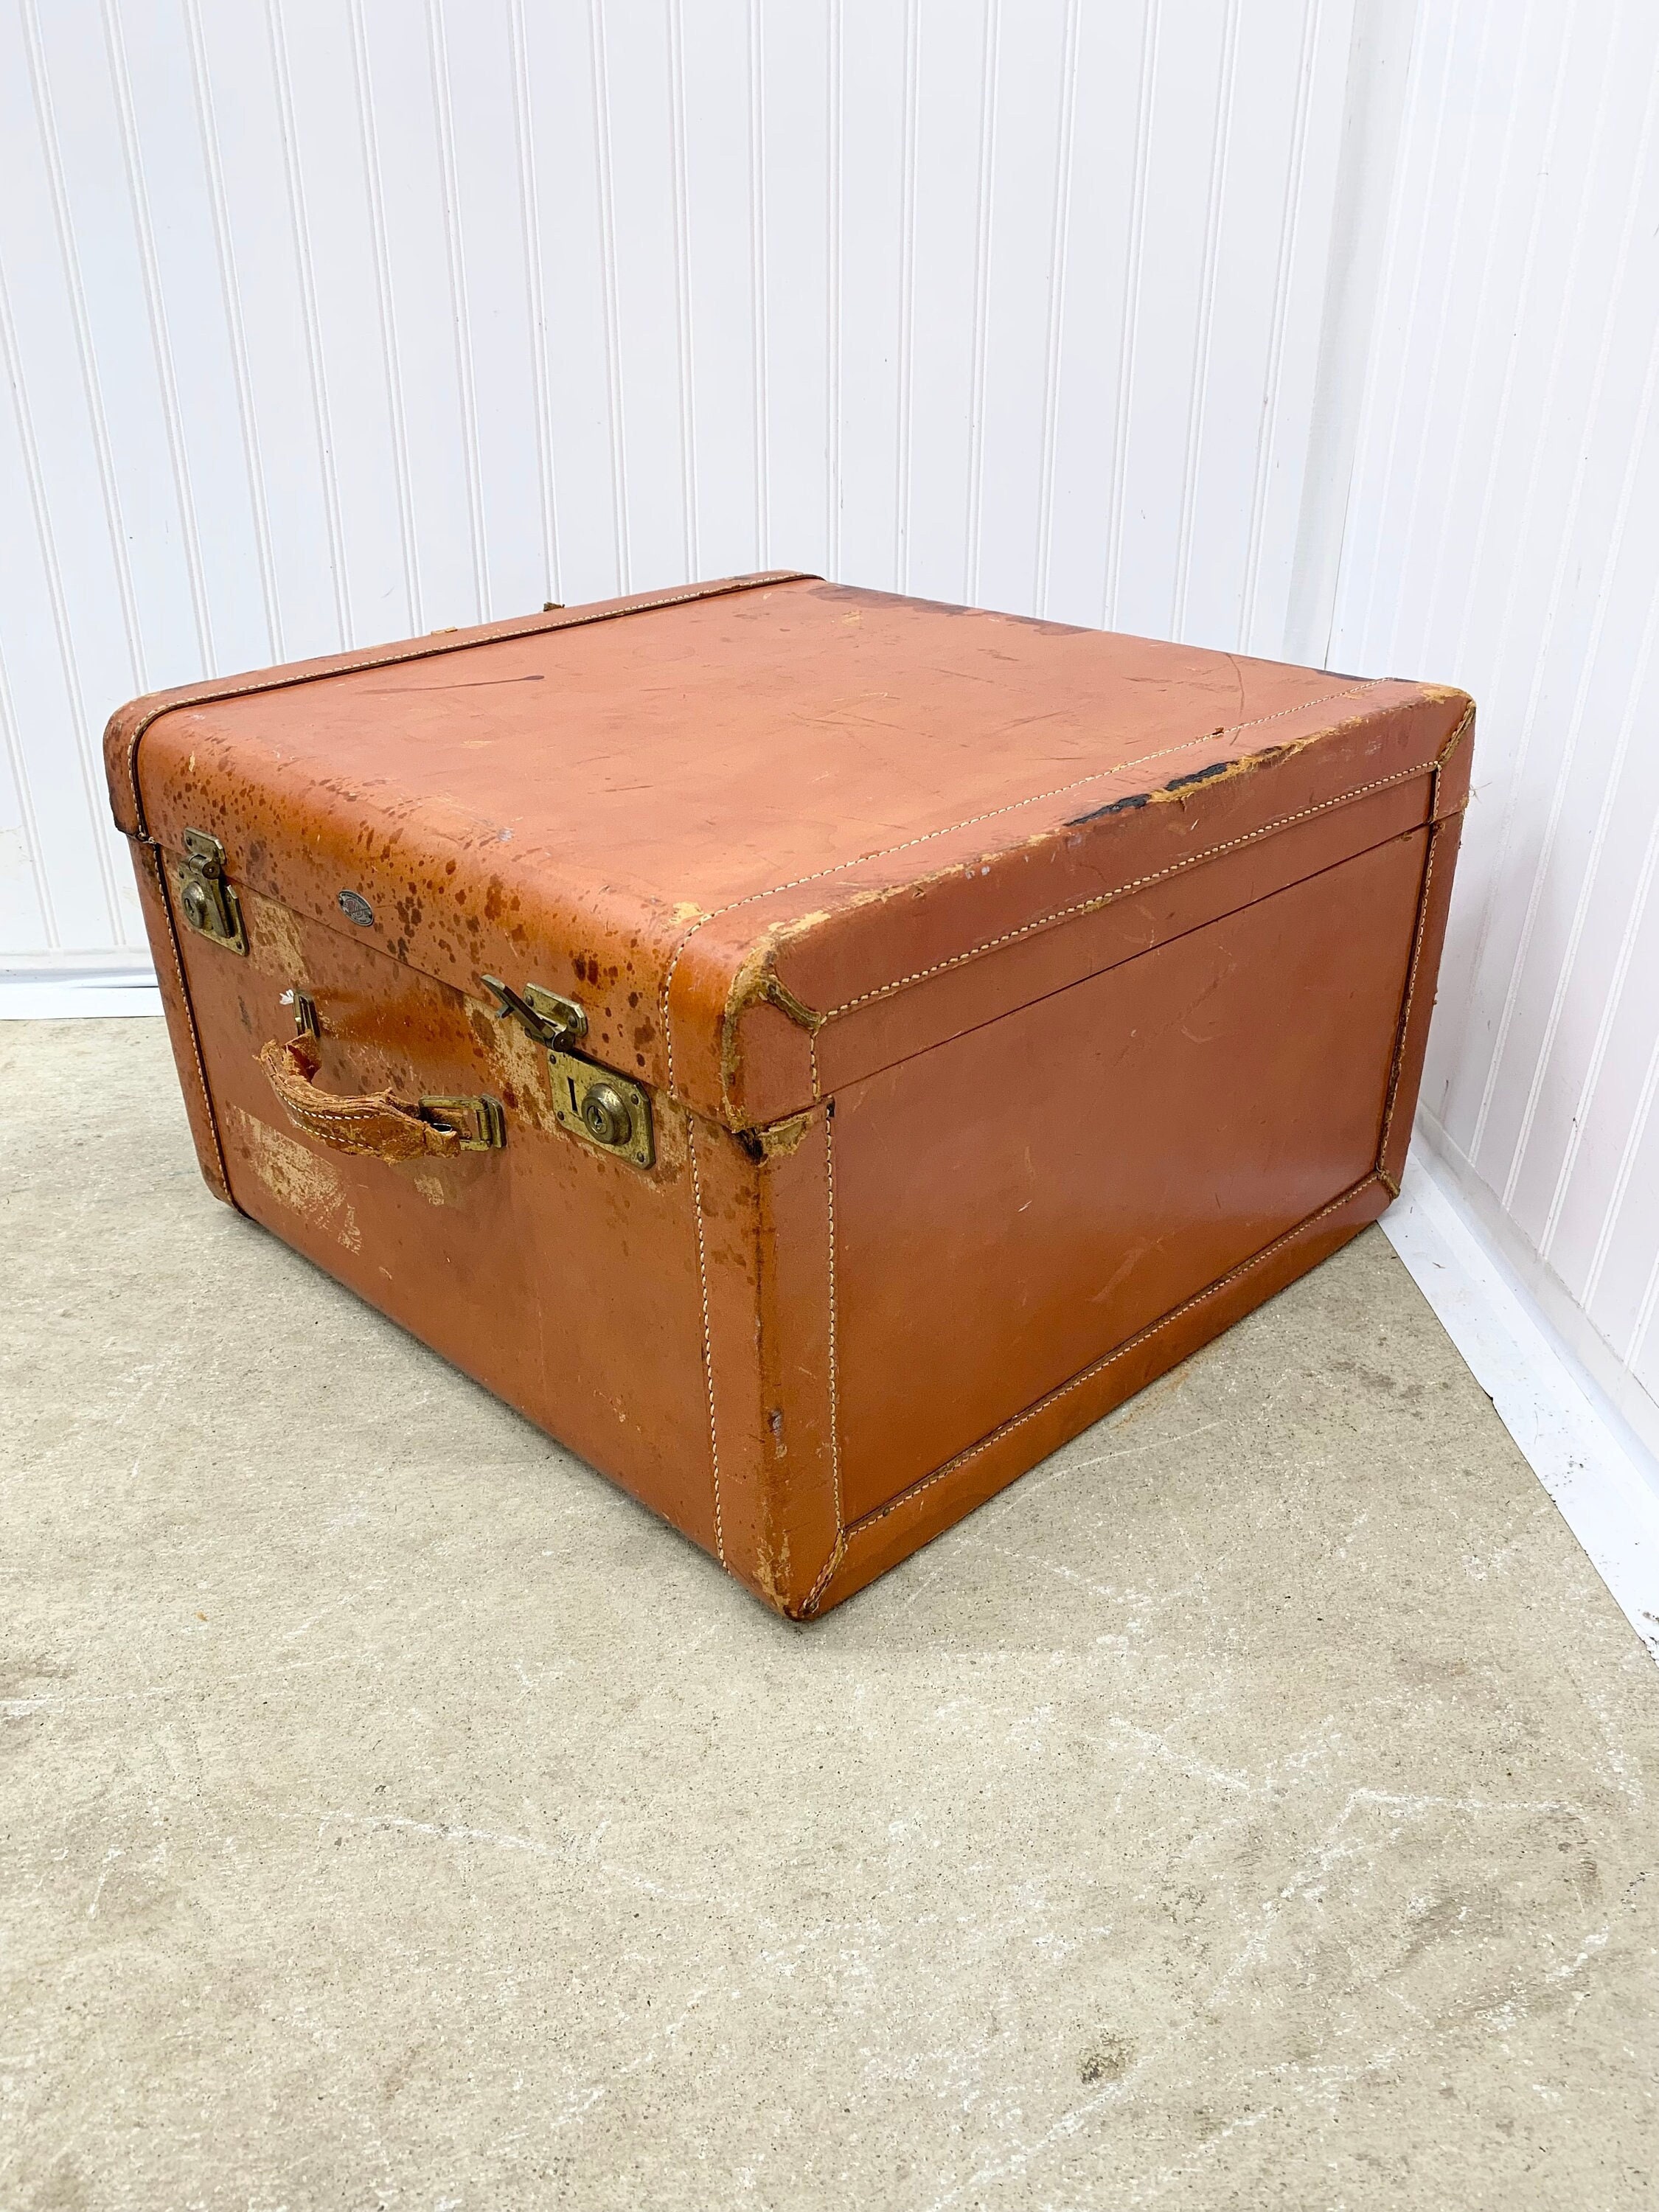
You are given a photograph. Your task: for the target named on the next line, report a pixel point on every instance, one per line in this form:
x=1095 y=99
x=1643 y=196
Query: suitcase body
x=907 y=1030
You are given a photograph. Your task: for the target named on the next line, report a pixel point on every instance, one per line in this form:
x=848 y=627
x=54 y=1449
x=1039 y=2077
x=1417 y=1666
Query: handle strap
x=388 y=1128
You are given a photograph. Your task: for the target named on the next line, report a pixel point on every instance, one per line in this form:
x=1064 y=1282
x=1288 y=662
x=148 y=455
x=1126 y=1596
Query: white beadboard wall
x=1325 y=327
x=326 y=321
x=1502 y=531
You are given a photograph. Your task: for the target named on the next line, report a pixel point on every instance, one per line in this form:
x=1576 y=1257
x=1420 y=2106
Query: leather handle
x=388 y=1128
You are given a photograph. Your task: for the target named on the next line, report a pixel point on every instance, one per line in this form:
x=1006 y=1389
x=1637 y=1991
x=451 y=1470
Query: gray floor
x=1253 y=1807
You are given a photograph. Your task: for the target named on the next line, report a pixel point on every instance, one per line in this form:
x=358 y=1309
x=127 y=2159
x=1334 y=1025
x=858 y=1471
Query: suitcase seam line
x=188 y=1008
x=1418 y=933
x=1137 y=882
x=837 y=1550
x=961 y=1459
x=1036 y=798
x=708 y=1335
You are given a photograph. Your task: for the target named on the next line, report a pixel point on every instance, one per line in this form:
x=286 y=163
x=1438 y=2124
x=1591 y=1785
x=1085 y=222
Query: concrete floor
x=1253 y=1807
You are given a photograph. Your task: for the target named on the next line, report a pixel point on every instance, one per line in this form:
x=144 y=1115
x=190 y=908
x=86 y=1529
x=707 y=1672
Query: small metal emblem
x=356 y=908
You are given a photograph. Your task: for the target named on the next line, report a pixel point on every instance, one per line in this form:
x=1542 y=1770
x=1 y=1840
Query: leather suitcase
x=811 y=1051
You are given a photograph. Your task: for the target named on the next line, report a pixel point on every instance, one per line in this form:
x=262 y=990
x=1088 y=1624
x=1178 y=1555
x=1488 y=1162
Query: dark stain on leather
x=1117 y=807
x=1199 y=775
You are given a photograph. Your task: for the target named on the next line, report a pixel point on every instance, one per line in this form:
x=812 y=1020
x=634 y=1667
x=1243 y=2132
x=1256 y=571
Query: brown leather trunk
x=980 y=1015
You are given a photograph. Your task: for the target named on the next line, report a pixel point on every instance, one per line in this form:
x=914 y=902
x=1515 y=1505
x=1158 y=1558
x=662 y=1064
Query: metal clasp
x=609 y=1110
x=208 y=902
x=480 y=1123
x=551 y=1018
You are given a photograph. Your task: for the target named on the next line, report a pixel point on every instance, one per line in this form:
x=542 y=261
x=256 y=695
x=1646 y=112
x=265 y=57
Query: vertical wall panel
x=69 y=622
x=268 y=267
x=1011 y=345
x=642 y=123
x=939 y=361
x=578 y=444
x=198 y=336
x=873 y=102
x=417 y=270
x=1170 y=282
x=161 y=604
x=720 y=246
x=490 y=216
x=796 y=39
x=316 y=63
x=1115 y=58
x=328 y=320
x=1500 y=533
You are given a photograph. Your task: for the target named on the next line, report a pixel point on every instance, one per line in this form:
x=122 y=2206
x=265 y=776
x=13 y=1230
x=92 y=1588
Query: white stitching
x=321 y=1124
x=1121 y=768
x=386 y=1113
x=1096 y=1367
x=1139 y=883
x=810 y=1603
x=323 y=1107
x=707 y=1336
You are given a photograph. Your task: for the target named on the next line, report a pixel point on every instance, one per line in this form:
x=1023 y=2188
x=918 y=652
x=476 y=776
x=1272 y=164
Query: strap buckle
x=480 y=1122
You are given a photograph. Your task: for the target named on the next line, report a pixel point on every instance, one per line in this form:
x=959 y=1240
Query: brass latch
x=609 y=1110
x=551 y=1018
x=208 y=902
x=480 y=1123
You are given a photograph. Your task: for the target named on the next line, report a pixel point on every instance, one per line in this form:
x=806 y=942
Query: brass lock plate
x=602 y=1107
x=208 y=902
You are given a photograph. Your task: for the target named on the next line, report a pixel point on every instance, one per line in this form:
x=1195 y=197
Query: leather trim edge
x=1136 y=883
x=838 y=1549
x=187 y=1010
x=950 y=830
x=868 y=1522
x=707 y=1336
x=121 y=738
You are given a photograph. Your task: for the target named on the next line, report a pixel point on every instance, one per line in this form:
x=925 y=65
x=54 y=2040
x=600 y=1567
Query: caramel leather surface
x=1019 y=1005
x=1122 y=1140
x=838 y=788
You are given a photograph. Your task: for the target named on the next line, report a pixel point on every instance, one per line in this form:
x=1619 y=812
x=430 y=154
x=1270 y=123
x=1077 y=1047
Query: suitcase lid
x=774 y=835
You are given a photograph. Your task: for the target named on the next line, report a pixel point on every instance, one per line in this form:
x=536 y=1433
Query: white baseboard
x=1609 y=1382
x=1591 y=1459
x=66 y=986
